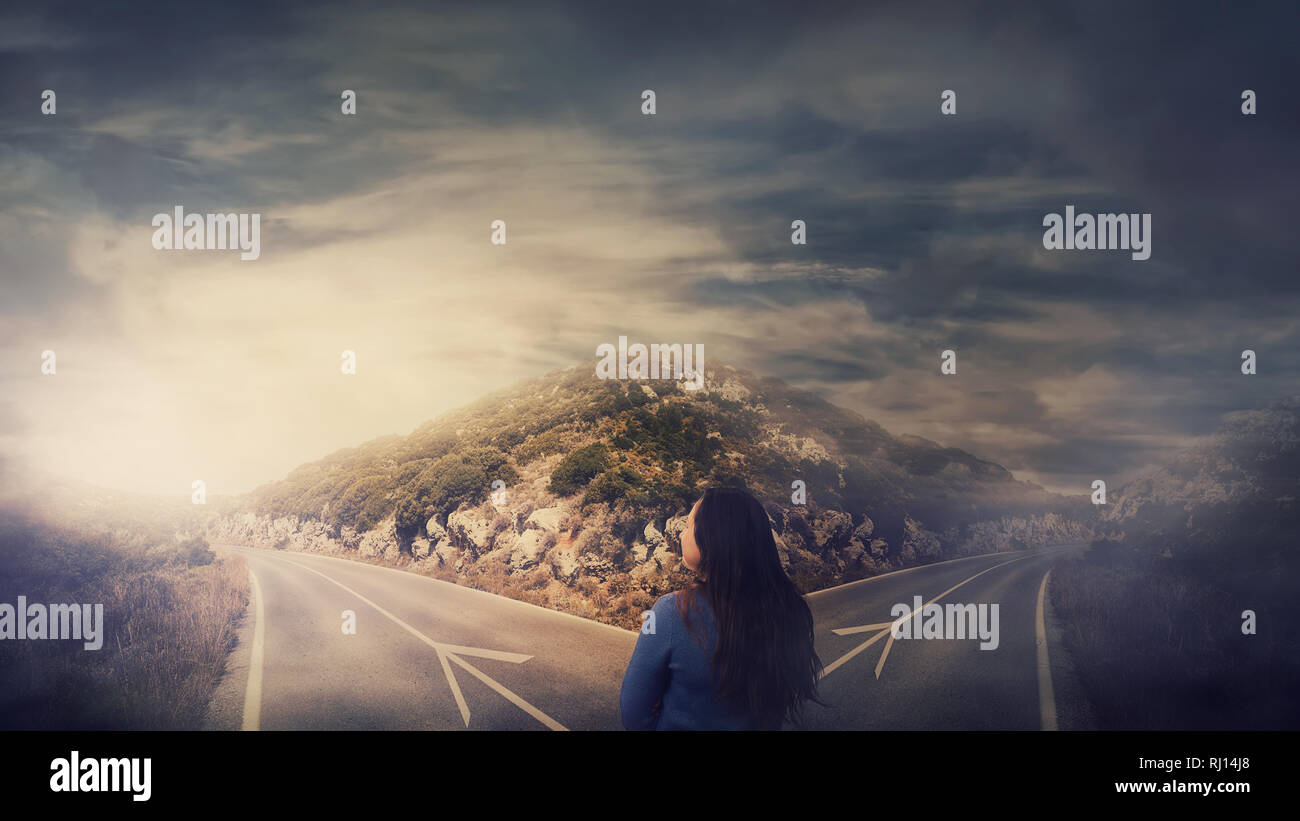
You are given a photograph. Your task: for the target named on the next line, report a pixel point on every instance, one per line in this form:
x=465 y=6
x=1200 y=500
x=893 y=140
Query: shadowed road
x=431 y=655
x=940 y=684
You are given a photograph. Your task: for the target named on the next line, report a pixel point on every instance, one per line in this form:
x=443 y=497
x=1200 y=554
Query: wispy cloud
x=924 y=231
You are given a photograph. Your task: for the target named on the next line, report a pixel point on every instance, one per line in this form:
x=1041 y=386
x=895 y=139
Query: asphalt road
x=945 y=684
x=428 y=654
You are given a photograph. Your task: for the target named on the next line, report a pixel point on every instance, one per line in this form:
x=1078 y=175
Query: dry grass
x=167 y=633
x=1159 y=649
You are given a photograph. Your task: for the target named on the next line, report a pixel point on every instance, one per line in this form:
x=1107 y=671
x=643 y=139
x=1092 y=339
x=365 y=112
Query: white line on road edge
x=253 y=692
x=453 y=652
x=844 y=631
x=1046 y=698
x=934 y=564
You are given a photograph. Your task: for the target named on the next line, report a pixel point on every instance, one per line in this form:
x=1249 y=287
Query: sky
x=924 y=230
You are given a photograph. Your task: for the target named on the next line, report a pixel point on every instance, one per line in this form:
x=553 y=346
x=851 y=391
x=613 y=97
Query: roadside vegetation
x=1158 y=642
x=170 y=612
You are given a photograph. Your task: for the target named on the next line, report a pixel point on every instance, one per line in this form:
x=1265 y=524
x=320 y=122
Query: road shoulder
x=1073 y=710
x=226 y=709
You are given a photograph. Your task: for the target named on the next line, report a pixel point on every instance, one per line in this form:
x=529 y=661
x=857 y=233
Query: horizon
x=15 y=470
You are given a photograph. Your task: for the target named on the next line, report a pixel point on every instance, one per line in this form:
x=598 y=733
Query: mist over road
x=944 y=684
x=431 y=655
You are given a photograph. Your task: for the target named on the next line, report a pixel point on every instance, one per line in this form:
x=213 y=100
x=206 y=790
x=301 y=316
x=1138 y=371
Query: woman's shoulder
x=688 y=602
x=677 y=597
x=671 y=604
x=667 y=604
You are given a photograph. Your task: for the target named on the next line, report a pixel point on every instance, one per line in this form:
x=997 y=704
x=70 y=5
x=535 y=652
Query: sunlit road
x=426 y=654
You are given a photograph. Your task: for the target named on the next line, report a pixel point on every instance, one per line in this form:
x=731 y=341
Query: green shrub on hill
x=458 y=477
x=621 y=486
x=364 y=503
x=578 y=468
x=539 y=445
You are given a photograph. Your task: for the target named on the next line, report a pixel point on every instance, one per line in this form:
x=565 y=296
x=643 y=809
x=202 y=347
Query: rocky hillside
x=594 y=478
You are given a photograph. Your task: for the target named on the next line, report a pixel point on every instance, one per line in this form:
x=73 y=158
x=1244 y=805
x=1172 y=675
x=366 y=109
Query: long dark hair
x=764 y=658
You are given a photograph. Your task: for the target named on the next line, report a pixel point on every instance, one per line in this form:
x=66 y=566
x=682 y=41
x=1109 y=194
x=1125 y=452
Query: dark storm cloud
x=827 y=113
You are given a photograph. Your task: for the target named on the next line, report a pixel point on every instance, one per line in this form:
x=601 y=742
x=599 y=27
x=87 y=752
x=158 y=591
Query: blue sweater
x=669 y=664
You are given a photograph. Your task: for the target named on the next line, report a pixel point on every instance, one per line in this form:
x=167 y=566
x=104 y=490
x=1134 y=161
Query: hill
x=596 y=477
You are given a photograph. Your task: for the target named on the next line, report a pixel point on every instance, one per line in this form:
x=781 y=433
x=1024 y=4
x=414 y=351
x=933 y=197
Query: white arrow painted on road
x=886 y=627
x=452 y=652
